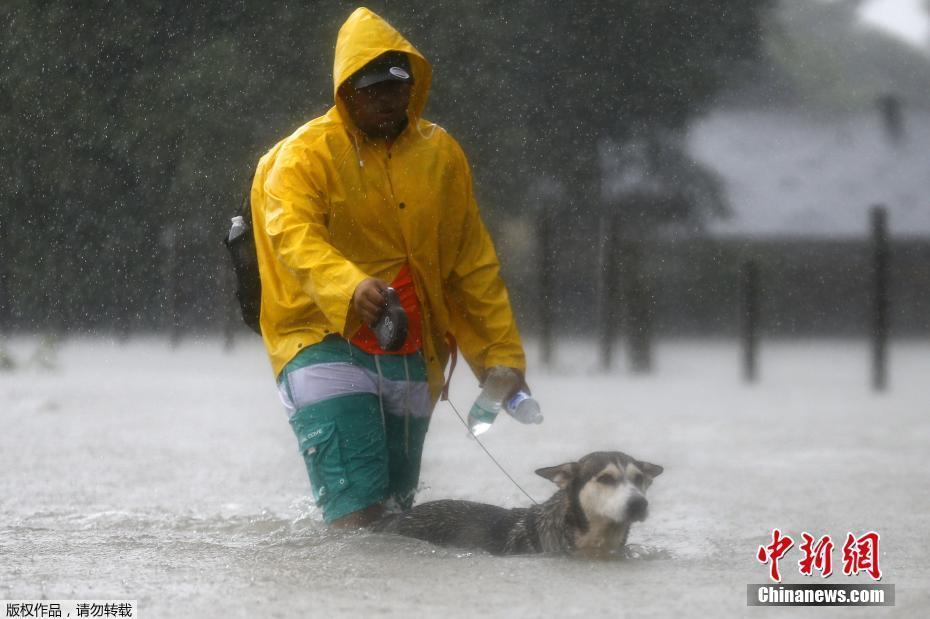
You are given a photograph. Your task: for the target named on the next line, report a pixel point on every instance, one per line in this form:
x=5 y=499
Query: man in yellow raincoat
x=366 y=196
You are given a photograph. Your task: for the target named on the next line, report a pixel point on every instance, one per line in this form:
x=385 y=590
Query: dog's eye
x=637 y=479
x=607 y=480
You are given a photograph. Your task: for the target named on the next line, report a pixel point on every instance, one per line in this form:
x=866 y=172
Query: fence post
x=228 y=307
x=749 y=319
x=121 y=315
x=607 y=288
x=638 y=301
x=170 y=283
x=546 y=283
x=880 y=300
x=889 y=107
x=6 y=304
x=5 y=301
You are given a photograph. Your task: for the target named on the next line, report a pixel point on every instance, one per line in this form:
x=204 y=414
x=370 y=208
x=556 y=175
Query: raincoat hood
x=364 y=37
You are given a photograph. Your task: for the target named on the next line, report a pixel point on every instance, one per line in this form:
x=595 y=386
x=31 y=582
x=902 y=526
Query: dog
x=599 y=497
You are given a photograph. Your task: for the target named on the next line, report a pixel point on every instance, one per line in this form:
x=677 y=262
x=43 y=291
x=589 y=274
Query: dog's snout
x=637 y=508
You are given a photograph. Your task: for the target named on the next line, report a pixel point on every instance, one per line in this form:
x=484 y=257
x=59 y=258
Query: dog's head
x=608 y=486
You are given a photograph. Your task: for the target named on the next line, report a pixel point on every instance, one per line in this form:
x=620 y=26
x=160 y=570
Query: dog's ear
x=561 y=475
x=650 y=469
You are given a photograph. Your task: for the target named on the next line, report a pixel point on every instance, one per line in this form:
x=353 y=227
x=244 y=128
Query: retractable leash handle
x=391 y=326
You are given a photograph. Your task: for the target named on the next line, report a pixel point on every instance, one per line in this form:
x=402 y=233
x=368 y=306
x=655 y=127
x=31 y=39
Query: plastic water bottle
x=498 y=384
x=524 y=408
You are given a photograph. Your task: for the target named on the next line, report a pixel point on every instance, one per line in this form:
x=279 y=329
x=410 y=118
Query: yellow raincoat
x=331 y=207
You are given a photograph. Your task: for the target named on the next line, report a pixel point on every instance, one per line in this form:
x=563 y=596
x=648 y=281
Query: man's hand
x=521 y=384
x=368 y=299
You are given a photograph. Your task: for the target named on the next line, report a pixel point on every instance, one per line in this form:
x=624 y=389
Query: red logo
x=860 y=554
x=773 y=552
x=817 y=556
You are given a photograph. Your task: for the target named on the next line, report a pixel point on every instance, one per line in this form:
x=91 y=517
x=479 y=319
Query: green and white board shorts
x=360 y=422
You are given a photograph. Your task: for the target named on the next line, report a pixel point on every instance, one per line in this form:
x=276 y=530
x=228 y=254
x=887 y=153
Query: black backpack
x=240 y=242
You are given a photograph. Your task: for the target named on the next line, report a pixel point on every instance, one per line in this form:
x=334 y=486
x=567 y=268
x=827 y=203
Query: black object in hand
x=391 y=326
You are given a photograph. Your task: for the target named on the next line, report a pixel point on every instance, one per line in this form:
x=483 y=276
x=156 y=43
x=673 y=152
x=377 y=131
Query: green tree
x=126 y=118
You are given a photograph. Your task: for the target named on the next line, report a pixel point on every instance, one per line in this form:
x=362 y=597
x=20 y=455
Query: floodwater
x=169 y=476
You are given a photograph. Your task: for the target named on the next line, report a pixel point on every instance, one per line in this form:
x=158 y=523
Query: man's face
x=379 y=110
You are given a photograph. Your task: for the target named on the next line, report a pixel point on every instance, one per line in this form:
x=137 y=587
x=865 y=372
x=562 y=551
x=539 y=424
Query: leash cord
x=493 y=459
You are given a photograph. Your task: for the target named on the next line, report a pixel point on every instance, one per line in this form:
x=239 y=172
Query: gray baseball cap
x=388 y=66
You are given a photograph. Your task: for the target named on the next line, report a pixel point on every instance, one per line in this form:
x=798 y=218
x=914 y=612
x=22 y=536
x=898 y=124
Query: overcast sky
x=906 y=18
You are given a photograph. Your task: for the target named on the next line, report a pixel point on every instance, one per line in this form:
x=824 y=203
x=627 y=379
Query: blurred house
x=800 y=186
x=801 y=183
x=793 y=172
x=835 y=121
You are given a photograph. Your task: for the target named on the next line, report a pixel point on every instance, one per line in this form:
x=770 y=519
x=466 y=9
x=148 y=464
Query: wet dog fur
x=599 y=497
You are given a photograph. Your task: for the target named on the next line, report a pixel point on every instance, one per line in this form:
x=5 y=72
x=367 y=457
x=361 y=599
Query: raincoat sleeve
x=481 y=317
x=296 y=214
